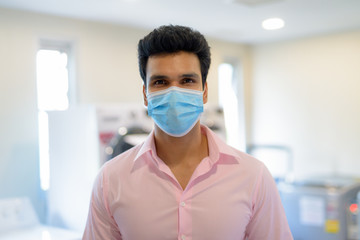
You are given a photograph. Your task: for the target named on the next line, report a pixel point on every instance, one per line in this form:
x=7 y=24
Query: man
x=183 y=182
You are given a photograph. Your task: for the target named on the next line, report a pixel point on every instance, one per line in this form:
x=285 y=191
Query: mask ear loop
x=145 y=95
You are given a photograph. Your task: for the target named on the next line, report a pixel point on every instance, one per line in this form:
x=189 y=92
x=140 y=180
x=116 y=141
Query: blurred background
x=71 y=98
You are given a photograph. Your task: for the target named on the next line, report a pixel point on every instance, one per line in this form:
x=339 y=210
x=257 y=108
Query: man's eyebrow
x=186 y=75
x=190 y=75
x=156 y=77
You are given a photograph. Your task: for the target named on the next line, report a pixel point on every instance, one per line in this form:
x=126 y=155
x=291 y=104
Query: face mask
x=175 y=110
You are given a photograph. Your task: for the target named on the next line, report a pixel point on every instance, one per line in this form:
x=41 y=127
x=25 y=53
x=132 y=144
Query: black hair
x=172 y=39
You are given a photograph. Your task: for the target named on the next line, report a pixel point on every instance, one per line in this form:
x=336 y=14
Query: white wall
x=305 y=95
x=106 y=72
x=18 y=119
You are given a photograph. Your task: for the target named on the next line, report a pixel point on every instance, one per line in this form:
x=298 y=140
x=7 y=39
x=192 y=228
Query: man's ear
x=205 y=93
x=144 y=96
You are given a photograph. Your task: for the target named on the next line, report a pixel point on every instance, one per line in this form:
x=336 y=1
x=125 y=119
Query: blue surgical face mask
x=175 y=110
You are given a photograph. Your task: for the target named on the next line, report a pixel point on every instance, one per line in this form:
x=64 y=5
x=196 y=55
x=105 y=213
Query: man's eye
x=159 y=82
x=188 y=80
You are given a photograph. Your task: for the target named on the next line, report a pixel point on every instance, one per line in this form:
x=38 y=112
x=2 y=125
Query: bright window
x=231 y=100
x=52 y=80
x=52 y=95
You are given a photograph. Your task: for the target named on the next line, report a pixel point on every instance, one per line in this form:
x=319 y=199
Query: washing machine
x=19 y=221
x=322 y=208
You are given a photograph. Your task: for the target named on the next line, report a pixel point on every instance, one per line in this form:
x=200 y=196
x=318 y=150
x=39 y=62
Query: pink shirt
x=230 y=196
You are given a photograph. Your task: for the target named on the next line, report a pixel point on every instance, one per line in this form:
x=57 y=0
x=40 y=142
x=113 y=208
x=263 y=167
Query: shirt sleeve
x=100 y=223
x=268 y=219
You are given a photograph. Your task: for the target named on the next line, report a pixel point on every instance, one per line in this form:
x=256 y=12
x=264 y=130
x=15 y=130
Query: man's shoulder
x=240 y=156
x=244 y=158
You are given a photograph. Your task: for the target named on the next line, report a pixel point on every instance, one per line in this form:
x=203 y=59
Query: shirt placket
x=184 y=214
x=185 y=226
x=183 y=198
x=184 y=206
x=185 y=202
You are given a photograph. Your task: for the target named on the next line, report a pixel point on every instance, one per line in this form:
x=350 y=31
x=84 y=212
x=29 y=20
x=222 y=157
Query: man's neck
x=187 y=150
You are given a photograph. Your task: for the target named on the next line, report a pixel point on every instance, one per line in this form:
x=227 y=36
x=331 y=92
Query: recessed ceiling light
x=253 y=2
x=273 y=23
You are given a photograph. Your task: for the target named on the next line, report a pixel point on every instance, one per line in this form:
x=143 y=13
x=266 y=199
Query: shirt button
x=183 y=205
x=183 y=237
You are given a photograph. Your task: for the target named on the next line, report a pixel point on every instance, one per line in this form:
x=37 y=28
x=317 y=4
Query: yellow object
x=332 y=226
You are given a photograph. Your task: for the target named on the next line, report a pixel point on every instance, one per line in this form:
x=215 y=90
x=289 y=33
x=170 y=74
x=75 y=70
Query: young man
x=183 y=182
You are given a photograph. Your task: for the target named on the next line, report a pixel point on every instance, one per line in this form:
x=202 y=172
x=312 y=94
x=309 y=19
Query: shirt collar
x=217 y=147
x=147 y=147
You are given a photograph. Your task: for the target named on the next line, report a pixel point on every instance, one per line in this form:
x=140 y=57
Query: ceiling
x=230 y=20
